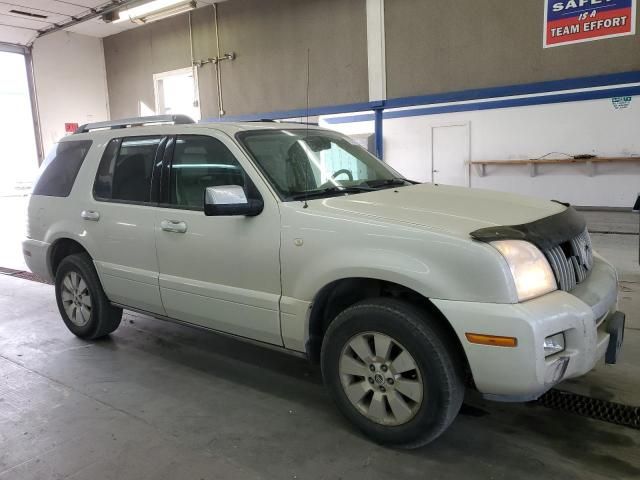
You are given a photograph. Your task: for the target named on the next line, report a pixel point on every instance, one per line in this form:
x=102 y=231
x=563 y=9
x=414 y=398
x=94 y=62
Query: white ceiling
x=19 y=29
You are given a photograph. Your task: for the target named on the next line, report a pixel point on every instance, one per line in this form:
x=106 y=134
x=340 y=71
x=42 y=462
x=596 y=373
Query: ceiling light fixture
x=151 y=11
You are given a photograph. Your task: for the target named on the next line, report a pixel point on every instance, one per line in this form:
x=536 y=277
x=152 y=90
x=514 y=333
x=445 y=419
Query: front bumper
x=523 y=373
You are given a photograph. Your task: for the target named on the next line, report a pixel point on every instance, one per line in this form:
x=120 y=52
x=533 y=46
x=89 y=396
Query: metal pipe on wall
x=218 y=71
x=196 y=97
x=215 y=60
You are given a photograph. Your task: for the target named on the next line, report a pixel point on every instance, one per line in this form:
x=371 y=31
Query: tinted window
x=200 y=162
x=61 y=167
x=126 y=169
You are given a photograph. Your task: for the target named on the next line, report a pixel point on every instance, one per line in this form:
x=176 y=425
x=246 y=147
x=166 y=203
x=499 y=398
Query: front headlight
x=530 y=269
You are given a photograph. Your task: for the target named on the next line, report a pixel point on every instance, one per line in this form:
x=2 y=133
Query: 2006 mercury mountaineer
x=295 y=237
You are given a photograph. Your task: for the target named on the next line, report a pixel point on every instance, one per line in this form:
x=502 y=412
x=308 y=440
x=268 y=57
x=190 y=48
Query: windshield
x=301 y=164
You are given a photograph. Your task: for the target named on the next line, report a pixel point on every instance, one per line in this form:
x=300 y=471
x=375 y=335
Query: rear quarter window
x=60 y=168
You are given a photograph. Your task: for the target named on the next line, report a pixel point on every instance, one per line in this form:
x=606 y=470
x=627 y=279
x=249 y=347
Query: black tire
x=104 y=318
x=434 y=352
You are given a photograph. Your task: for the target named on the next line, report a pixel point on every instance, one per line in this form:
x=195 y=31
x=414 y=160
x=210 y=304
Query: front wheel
x=393 y=371
x=84 y=307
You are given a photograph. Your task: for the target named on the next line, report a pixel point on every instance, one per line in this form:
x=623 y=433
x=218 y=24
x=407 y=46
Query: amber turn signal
x=492 y=340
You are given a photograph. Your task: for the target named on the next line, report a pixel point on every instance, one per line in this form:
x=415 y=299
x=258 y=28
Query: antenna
x=306 y=170
x=308 y=80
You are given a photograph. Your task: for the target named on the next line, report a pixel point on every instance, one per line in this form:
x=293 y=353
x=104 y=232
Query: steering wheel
x=346 y=172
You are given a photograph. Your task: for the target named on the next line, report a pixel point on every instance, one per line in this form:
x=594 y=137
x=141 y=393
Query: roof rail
x=135 y=122
x=280 y=120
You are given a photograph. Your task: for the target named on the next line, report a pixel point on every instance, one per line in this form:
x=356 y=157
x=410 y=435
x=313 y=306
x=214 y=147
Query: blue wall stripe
x=329 y=110
x=514 y=90
x=465 y=95
x=514 y=102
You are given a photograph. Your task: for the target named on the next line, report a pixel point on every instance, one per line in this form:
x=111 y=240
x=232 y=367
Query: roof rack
x=280 y=120
x=135 y=122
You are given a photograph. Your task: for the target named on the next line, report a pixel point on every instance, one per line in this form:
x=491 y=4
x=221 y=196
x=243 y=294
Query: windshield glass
x=316 y=163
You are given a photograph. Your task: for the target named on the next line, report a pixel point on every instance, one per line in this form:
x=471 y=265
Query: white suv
x=295 y=237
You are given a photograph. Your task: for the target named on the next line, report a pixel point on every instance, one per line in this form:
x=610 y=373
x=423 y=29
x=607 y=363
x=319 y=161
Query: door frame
x=170 y=73
x=27 y=53
x=467 y=162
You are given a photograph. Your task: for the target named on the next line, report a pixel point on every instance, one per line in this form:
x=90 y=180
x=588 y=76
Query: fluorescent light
x=154 y=10
x=147 y=8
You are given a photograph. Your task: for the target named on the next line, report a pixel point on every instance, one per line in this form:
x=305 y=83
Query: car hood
x=453 y=209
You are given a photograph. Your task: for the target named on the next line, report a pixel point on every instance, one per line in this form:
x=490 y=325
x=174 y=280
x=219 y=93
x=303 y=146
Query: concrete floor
x=159 y=401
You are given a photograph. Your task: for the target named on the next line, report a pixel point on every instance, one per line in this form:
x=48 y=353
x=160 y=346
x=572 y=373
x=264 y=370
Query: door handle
x=90 y=215
x=174 y=226
x=436 y=171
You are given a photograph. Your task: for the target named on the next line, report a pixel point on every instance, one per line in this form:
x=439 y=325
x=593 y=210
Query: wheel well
x=63 y=248
x=341 y=294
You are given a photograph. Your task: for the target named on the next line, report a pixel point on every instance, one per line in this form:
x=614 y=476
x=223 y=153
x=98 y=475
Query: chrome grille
x=571 y=261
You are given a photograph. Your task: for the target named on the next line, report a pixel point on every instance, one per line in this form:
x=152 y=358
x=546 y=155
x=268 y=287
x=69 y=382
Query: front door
x=450 y=155
x=222 y=273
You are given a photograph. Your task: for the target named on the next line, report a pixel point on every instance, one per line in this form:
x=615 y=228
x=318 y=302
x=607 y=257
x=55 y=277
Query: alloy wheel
x=381 y=379
x=76 y=299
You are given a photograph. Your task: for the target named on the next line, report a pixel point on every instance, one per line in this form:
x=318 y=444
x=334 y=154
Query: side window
x=125 y=170
x=61 y=167
x=200 y=162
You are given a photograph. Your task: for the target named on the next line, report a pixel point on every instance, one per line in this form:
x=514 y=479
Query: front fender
x=432 y=263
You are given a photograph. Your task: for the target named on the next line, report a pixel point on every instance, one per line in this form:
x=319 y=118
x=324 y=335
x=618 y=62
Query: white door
x=121 y=214
x=450 y=155
x=177 y=93
x=220 y=272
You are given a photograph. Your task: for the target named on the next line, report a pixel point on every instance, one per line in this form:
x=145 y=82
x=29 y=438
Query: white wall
x=71 y=82
x=586 y=127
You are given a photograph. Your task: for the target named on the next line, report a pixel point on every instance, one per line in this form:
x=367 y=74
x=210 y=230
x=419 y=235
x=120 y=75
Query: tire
x=412 y=406
x=79 y=295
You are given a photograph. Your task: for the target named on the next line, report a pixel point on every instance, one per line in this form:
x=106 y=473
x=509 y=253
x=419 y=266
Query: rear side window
x=126 y=169
x=60 y=168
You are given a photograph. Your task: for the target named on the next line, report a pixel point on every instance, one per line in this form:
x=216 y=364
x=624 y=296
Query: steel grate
x=610 y=412
x=22 y=274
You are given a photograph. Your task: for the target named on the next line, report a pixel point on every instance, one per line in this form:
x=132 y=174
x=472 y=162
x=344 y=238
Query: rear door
x=120 y=216
x=222 y=272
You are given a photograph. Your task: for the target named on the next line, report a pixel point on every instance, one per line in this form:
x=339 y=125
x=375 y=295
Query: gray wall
x=447 y=45
x=133 y=56
x=432 y=46
x=270 y=38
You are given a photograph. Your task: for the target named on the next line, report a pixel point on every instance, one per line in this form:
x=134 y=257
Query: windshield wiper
x=328 y=191
x=388 y=182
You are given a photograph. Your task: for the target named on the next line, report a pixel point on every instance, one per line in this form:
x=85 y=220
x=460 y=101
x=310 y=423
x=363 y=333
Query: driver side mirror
x=230 y=200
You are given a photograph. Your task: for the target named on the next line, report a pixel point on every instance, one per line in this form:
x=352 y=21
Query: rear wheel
x=393 y=372
x=84 y=307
